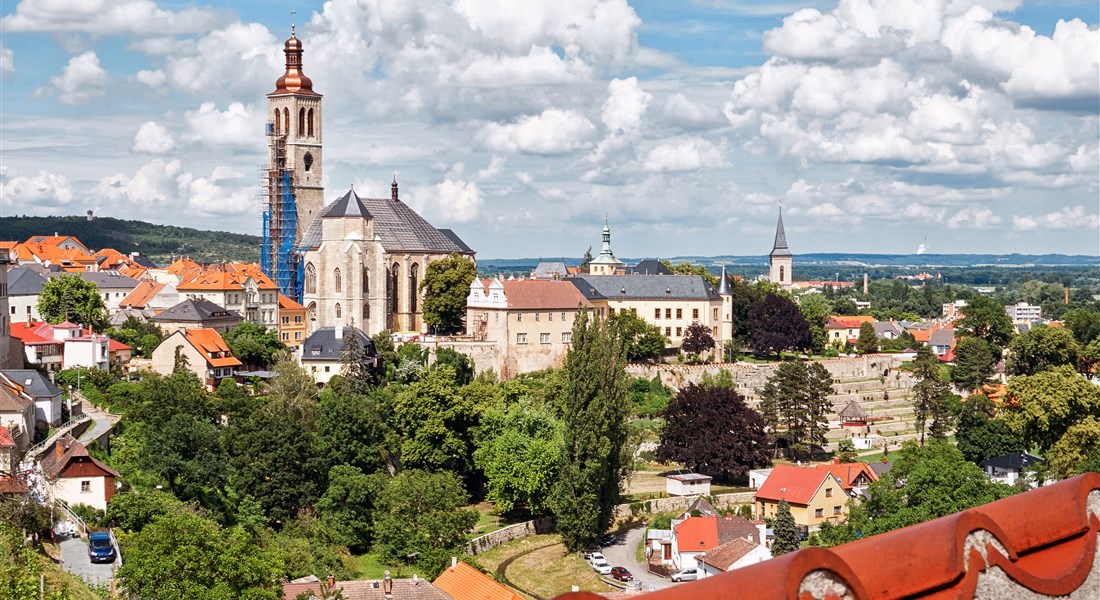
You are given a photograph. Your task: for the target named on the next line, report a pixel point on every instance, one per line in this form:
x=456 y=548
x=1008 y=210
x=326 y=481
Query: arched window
x=366 y=315
x=311 y=279
x=339 y=311
x=301 y=122
x=278 y=122
x=338 y=281
x=395 y=276
x=309 y=123
x=414 y=280
x=311 y=315
x=366 y=282
x=286 y=120
x=782 y=271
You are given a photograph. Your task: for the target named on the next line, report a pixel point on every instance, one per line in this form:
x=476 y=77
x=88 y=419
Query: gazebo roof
x=854 y=412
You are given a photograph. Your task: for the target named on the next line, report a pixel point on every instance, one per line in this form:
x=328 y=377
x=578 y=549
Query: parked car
x=589 y=552
x=100 y=548
x=609 y=539
x=601 y=567
x=621 y=574
x=686 y=575
x=595 y=557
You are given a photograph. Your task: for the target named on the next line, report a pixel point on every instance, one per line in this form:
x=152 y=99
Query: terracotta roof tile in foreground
x=1039 y=543
x=464 y=582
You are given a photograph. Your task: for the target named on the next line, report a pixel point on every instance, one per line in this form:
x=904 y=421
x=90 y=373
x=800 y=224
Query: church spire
x=293 y=80
x=724 y=283
x=780 y=246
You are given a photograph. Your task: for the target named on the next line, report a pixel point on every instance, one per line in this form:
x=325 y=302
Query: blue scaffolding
x=278 y=256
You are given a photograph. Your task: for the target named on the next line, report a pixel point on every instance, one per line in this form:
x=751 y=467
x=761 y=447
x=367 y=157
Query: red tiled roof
x=796 y=485
x=67 y=451
x=140 y=296
x=696 y=534
x=848 y=473
x=722 y=557
x=543 y=294
x=464 y=582
x=117 y=346
x=6 y=440
x=1042 y=542
x=848 y=322
x=12 y=486
x=365 y=589
x=285 y=303
x=209 y=341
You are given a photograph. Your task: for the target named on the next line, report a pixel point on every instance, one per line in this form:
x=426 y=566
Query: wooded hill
x=160 y=243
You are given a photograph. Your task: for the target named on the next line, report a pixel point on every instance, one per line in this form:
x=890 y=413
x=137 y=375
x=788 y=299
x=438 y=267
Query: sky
x=879 y=126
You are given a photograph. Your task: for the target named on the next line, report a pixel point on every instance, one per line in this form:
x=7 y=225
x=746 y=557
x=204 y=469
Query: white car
x=596 y=557
x=686 y=575
x=600 y=566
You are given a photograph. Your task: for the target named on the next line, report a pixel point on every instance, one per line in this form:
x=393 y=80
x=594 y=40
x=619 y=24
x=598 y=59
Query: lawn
x=538 y=566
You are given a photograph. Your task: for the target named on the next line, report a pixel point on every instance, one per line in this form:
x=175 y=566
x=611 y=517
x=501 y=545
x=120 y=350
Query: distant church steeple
x=781 y=257
x=605 y=263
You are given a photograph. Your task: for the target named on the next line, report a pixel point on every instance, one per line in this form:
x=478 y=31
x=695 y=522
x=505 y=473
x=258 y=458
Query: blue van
x=100 y=548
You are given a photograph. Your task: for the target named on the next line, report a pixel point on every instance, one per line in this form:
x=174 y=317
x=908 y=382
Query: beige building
x=815 y=496
x=606 y=263
x=671 y=302
x=207 y=354
x=780 y=260
x=239 y=287
x=530 y=320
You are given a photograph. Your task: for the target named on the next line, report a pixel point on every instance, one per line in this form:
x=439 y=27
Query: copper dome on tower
x=294 y=81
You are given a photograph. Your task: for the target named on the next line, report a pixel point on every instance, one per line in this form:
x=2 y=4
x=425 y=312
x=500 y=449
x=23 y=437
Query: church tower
x=293 y=187
x=781 y=257
x=605 y=263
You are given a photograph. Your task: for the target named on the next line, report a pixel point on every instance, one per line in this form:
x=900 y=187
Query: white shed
x=685 y=483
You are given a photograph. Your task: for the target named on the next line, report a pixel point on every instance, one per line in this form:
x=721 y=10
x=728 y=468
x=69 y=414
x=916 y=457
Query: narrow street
x=622 y=554
x=74 y=559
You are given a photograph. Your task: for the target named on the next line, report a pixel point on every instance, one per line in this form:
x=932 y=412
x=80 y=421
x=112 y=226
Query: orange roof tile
x=696 y=534
x=464 y=582
x=140 y=296
x=852 y=322
x=209 y=341
x=1042 y=542
x=285 y=303
x=6 y=440
x=848 y=473
x=796 y=485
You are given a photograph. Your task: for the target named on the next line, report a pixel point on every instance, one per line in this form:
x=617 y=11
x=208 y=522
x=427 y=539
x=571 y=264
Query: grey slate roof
x=36 y=384
x=397 y=225
x=941 y=337
x=881 y=468
x=323 y=345
x=780 y=246
x=112 y=280
x=649 y=267
x=884 y=327
x=644 y=287
x=192 y=310
x=854 y=412
x=451 y=235
x=23 y=281
x=550 y=270
x=1012 y=460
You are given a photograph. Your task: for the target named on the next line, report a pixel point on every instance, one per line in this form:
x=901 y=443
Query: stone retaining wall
x=722 y=502
x=493 y=539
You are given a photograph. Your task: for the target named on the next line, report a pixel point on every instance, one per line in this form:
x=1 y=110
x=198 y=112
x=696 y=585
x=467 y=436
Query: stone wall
x=492 y=540
x=721 y=502
x=485 y=355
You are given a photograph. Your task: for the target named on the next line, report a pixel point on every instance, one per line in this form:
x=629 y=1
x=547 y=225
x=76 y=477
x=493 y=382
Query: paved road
x=101 y=423
x=622 y=554
x=74 y=559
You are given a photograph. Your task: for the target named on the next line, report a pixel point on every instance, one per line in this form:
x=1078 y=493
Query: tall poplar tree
x=930 y=395
x=594 y=408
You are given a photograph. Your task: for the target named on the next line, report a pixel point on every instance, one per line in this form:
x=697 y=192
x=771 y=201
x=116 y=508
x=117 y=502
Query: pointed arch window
x=414 y=281
x=366 y=282
x=339 y=311
x=286 y=119
x=309 y=123
x=782 y=273
x=395 y=276
x=311 y=279
x=278 y=121
x=301 y=122
x=366 y=315
x=338 y=283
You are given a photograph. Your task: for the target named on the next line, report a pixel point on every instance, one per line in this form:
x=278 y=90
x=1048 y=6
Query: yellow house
x=815 y=495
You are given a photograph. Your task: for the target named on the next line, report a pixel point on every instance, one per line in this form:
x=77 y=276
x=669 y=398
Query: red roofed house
x=853 y=476
x=292 y=322
x=464 y=582
x=815 y=495
x=530 y=321
x=17 y=415
x=731 y=555
x=8 y=451
x=842 y=330
x=75 y=477
x=695 y=536
x=208 y=356
x=242 y=287
x=364 y=589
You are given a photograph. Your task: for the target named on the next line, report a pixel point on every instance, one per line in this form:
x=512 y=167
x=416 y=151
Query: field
x=538 y=567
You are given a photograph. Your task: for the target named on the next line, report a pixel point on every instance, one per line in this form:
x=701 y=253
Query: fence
x=82 y=527
x=69 y=425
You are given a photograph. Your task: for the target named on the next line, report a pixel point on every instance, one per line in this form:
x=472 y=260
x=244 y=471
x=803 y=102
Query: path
x=102 y=422
x=74 y=559
x=622 y=553
x=502 y=570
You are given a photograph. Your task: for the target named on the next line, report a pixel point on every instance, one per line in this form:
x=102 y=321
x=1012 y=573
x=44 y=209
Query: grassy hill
x=158 y=242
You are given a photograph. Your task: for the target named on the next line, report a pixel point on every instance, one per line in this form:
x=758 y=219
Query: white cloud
x=81 y=81
x=625 y=106
x=43 y=189
x=1069 y=217
x=974 y=218
x=107 y=17
x=154 y=79
x=153 y=185
x=554 y=131
x=7 y=61
x=238 y=59
x=236 y=126
x=680 y=110
x=224 y=193
x=686 y=155
x=494 y=167
x=450 y=201
x=153 y=138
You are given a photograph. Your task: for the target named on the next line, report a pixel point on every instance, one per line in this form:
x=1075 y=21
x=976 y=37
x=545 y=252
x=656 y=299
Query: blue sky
x=878 y=124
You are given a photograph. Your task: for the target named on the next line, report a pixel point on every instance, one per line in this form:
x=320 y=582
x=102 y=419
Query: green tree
x=641 y=341
x=1090 y=357
x=436 y=423
x=1079 y=446
x=142 y=337
x=183 y=555
x=980 y=434
x=595 y=456
x=254 y=344
x=356 y=365
x=347 y=506
x=786 y=533
x=697 y=339
x=986 y=319
x=419 y=518
x=1084 y=323
x=743 y=297
x=974 y=362
x=1044 y=406
x=1040 y=348
x=648 y=397
x=308 y=546
x=134 y=510
x=354 y=430
x=868 y=340
x=845 y=307
x=585 y=261
x=690 y=269
x=446 y=285
x=462 y=365
x=776 y=325
x=816 y=310
x=796 y=399
x=930 y=401
x=71 y=298
x=519 y=450
x=712 y=431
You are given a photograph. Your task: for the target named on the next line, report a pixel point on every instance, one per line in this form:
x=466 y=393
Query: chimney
x=393 y=188
x=1067 y=294
x=836 y=460
x=339 y=331
x=454 y=561
x=331 y=582
x=387 y=584
x=865 y=285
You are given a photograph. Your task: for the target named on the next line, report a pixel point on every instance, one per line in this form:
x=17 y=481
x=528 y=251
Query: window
x=679 y=313
x=714 y=331
x=327 y=368
x=634 y=311
x=297 y=335
x=284 y=336
x=519 y=317
x=819 y=512
x=311 y=279
x=828 y=492
x=695 y=313
x=537 y=315
x=278 y=121
x=782 y=272
x=309 y=125
x=716 y=313
x=549 y=316
x=339 y=311
x=286 y=320
x=836 y=510
x=566 y=337
x=521 y=338
x=563 y=316
x=298 y=318
x=544 y=338
x=679 y=331
x=656 y=313
x=668 y=313
x=366 y=281
x=86 y=487
x=337 y=281
x=414 y=286
x=301 y=122
x=668 y=332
